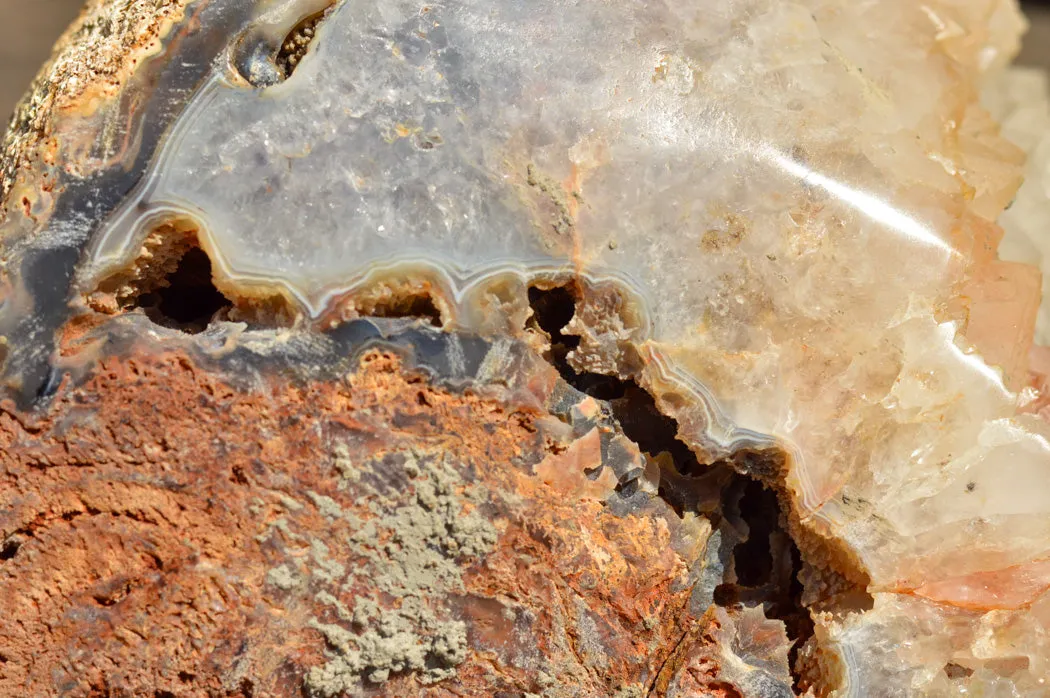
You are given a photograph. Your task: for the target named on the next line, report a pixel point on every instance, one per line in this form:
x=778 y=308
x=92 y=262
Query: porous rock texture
x=171 y=534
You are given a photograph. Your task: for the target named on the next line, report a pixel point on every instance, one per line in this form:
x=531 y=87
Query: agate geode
x=520 y=347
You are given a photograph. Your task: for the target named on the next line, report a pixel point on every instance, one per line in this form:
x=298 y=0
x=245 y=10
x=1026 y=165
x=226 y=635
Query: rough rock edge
x=111 y=546
x=93 y=59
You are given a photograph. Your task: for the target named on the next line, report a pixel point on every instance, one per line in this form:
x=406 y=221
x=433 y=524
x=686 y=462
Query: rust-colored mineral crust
x=168 y=533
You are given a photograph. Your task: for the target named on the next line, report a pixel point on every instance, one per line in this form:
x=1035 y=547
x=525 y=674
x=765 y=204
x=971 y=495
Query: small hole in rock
x=394 y=302
x=171 y=282
x=554 y=308
x=633 y=406
x=9 y=548
x=419 y=306
x=188 y=299
x=754 y=559
x=297 y=43
x=237 y=475
x=726 y=595
x=767 y=563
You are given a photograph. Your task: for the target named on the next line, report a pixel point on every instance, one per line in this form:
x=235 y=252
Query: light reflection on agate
x=641 y=114
x=784 y=222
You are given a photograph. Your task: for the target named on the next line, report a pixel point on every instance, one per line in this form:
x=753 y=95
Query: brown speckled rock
x=168 y=533
x=91 y=66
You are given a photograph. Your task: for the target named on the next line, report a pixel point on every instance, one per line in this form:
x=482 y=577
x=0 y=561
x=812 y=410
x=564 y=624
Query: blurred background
x=28 y=28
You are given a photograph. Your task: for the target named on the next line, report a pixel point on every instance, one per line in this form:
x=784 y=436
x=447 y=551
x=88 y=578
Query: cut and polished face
x=755 y=240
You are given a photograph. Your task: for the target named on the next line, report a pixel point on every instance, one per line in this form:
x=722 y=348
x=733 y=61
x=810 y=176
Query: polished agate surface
x=779 y=218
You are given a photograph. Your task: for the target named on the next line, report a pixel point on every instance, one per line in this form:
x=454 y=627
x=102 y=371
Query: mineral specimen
x=523 y=347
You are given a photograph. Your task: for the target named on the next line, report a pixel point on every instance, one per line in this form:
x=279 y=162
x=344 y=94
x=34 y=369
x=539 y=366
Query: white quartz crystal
x=1018 y=98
